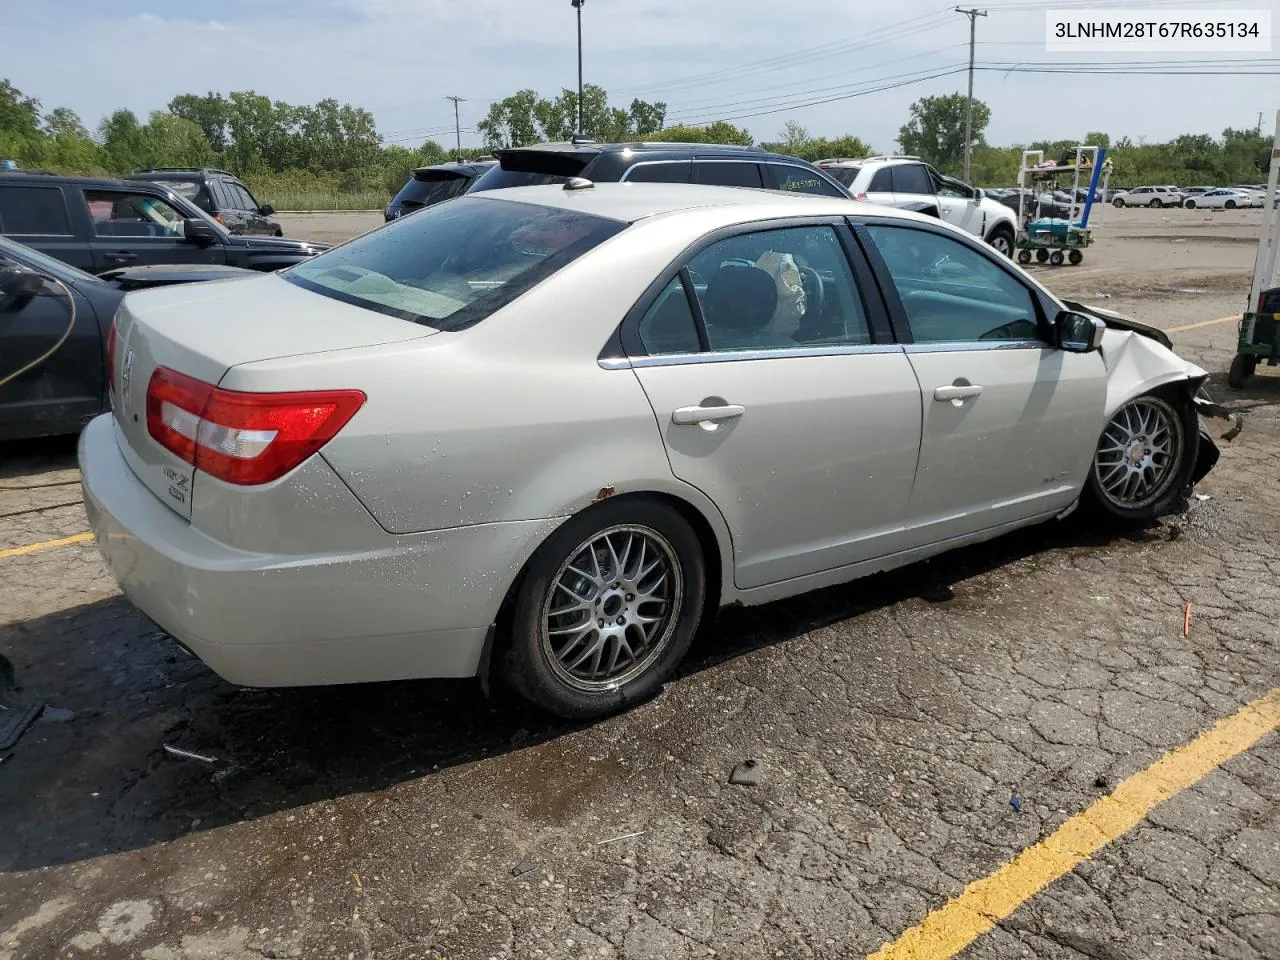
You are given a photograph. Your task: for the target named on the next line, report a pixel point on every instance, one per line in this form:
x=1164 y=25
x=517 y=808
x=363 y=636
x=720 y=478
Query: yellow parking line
x=45 y=545
x=1202 y=323
x=984 y=903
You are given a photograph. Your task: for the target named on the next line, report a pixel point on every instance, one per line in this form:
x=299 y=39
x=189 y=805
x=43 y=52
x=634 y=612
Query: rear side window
x=911 y=178
x=423 y=193
x=243 y=198
x=34 y=211
x=496 y=178
x=669 y=326
x=676 y=171
x=882 y=181
x=845 y=175
x=791 y=179
x=727 y=173
x=183 y=188
x=220 y=196
x=453 y=264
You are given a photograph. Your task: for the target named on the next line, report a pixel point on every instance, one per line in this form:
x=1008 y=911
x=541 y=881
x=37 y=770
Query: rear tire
x=1144 y=459
x=625 y=578
x=1024 y=257
x=1230 y=204
x=1074 y=257
x=1042 y=256
x=1056 y=258
x=1189 y=204
x=1242 y=367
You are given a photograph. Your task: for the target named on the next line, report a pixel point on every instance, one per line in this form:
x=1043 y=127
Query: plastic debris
x=187 y=754
x=1015 y=801
x=1202 y=497
x=747 y=773
x=1186 y=621
x=526 y=866
x=57 y=714
x=625 y=836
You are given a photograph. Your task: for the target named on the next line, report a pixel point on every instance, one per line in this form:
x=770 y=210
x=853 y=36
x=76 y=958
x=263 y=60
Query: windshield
x=454 y=263
x=9 y=250
x=496 y=178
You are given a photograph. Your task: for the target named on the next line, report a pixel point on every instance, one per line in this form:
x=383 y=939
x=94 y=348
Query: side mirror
x=978 y=193
x=266 y=210
x=1078 y=332
x=197 y=231
x=19 y=281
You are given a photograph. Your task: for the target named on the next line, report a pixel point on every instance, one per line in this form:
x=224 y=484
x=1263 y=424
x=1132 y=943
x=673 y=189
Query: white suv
x=1149 y=197
x=911 y=183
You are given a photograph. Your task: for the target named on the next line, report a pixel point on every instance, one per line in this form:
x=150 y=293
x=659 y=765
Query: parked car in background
x=98 y=225
x=1188 y=192
x=222 y=195
x=1223 y=199
x=68 y=388
x=704 y=163
x=551 y=430
x=1257 y=197
x=896 y=181
x=1041 y=205
x=1148 y=197
x=429 y=185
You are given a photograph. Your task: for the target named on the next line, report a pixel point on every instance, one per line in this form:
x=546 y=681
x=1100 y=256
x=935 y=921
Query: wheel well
x=697 y=522
x=1001 y=227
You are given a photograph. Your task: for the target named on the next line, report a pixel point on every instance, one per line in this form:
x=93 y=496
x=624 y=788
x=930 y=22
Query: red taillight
x=859 y=196
x=111 y=358
x=243 y=438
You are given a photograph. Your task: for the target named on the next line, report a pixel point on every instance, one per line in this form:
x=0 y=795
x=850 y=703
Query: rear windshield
x=845 y=175
x=496 y=178
x=423 y=193
x=454 y=263
x=185 y=188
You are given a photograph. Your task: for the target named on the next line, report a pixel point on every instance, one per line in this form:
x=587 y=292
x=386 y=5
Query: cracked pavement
x=892 y=719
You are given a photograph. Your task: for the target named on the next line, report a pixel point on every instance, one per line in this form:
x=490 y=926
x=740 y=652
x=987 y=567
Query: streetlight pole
x=577 y=5
x=457 y=126
x=973 y=15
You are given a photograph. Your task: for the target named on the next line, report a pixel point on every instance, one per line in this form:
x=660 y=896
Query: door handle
x=690 y=415
x=120 y=257
x=954 y=392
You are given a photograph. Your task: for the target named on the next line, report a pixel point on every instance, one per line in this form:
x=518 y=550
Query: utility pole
x=577 y=5
x=457 y=125
x=973 y=15
x=1259 y=131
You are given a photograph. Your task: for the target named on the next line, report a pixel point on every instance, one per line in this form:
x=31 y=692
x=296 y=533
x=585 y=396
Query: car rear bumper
x=421 y=606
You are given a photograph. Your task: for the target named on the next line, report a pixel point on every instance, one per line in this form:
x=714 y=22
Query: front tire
x=1230 y=204
x=1143 y=462
x=1157 y=203
x=1001 y=238
x=1117 y=202
x=1241 y=372
x=607 y=609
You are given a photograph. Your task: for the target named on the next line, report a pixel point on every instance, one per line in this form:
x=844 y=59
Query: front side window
x=454 y=263
x=670 y=172
x=778 y=289
x=33 y=211
x=952 y=293
x=122 y=214
x=799 y=180
x=882 y=181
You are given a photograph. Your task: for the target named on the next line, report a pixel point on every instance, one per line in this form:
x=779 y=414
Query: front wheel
x=607 y=609
x=1002 y=240
x=1117 y=202
x=1243 y=366
x=1230 y=204
x=1143 y=462
x=1024 y=257
x=1055 y=258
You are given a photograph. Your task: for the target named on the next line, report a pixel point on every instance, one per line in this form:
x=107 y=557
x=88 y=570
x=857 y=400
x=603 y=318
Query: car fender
x=997 y=214
x=1137 y=364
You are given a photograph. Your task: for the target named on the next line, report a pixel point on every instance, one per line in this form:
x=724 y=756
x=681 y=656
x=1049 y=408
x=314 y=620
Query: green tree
x=1096 y=138
x=122 y=140
x=935 y=130
x=171 y=141
x=511 y=122
x=719 y=132
x=19 y=114
x=210 y=113
x=64 y=122
x=647 y=118
x=796 y=142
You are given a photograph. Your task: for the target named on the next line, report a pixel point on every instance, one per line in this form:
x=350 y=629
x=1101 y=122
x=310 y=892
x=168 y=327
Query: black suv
x=99 y=225
x=706 y=163
x=430 y=185
x=222 y=195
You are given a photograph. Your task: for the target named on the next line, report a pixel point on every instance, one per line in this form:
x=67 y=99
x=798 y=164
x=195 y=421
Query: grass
x=309 y=201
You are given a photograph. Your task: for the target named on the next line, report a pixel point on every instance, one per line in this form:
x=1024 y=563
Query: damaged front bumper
x=1208 y=453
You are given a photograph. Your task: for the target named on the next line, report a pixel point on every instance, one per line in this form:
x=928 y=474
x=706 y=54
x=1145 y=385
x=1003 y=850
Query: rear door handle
x=954 y=392
x=689 y=415
x=120 y=257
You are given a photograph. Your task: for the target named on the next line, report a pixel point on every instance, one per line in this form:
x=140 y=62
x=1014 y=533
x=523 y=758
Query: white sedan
x=1222 y=199
x=546 y=432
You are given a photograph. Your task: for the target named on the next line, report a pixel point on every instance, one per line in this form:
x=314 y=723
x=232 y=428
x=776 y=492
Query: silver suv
x=911 y=183
x=1149 y=197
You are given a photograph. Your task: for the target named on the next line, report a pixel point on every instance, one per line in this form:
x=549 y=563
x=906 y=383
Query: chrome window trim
x=943 y=346
x=725 y=356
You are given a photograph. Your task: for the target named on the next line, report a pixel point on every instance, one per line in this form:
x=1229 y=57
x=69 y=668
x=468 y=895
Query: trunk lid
x=204 y=330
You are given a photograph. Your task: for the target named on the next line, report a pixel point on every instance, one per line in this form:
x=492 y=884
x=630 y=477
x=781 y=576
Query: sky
x=707 y=59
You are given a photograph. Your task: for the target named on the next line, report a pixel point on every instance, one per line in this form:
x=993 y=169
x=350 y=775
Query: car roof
x=45 y=178
x=587 y=148
x=630 y=202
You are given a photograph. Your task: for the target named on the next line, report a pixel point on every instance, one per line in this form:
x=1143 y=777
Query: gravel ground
x=891 y=720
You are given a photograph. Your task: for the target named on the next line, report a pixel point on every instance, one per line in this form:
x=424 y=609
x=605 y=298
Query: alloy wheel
x=1139 y=453
x=612 y=608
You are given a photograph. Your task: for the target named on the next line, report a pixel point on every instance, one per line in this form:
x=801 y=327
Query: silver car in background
x=545 y=432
